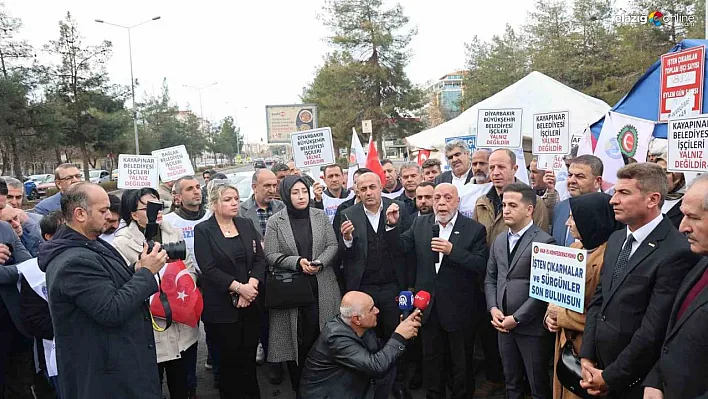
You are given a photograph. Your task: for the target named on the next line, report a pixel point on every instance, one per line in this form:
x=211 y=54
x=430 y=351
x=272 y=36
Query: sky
x=257 y=52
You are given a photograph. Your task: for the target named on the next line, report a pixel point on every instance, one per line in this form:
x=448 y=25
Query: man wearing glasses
x=464 y=169
x=65 y=175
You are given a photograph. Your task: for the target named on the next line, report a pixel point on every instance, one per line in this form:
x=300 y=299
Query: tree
x=77 y=81
x=229 y=140
x=372 y=43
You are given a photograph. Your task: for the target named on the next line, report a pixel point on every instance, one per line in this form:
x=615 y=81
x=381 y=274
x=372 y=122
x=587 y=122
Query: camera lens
x=175 y=250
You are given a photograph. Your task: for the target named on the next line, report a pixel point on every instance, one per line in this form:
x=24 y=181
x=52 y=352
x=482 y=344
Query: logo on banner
x=580 y=257
x=612 y=149
x=628 y=139
x=535 y=250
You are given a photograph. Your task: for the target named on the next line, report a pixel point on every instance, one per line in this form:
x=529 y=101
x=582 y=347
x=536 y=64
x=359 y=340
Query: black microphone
x=436 y=233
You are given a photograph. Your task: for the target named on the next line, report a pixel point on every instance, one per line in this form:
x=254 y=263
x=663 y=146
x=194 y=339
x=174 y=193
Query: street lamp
x=132 y=80
x=201 y=109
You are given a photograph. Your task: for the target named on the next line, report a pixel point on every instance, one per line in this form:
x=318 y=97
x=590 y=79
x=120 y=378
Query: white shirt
x=374 y=219
x=515 y=237
x=459 y=182
x=643 y=232
x=445 y=233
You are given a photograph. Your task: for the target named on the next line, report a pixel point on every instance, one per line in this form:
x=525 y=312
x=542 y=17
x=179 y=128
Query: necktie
x=623 y=259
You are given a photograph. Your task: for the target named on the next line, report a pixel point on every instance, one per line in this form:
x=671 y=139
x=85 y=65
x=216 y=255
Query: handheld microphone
x=405 y=303
x=421 y=300
x=436 y=233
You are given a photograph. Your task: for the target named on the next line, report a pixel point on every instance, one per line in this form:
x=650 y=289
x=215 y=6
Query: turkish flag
x=373 y=163
x=183 y=296
x=423 y=156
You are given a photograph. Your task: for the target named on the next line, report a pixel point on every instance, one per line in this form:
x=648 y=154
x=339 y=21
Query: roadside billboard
x=283 y=120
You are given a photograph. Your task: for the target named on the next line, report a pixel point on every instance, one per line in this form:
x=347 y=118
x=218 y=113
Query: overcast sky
x=259 y=52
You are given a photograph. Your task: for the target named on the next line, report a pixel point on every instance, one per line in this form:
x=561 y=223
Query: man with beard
x=431 y=169
x=424 y=198
x=114 y=221
x=480 y=166
x=411 y=178
x=393 y=187
x=189 y=192
x=12 y=217
x=281 y=170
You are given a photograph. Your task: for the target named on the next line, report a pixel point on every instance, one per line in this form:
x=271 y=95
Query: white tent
x=536 y=93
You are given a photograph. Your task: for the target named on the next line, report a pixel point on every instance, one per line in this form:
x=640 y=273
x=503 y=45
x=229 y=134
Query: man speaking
x=104 y=339
x=347 y=354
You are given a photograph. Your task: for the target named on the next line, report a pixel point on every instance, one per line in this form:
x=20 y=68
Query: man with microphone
x=450 y=254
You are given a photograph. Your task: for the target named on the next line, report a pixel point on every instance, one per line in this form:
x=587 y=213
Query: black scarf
x=299 y=218
x=186 y=214
x=595 y=218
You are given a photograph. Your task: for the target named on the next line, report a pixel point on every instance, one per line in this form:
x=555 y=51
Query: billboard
x=283 y=120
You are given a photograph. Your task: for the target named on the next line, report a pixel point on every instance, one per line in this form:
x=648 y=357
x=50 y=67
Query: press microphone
x=421 y=300
x=405 y=303
x=436 y=233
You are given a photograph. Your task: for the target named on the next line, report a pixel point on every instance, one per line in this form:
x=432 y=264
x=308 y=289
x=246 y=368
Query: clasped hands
x=592 y=378
x=247 y=293
x=501 y=322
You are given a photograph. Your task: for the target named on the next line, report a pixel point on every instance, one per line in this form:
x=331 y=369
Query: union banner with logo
x=622 y=135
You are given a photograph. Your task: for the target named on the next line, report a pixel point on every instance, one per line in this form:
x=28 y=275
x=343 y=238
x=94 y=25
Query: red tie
x=695 y=291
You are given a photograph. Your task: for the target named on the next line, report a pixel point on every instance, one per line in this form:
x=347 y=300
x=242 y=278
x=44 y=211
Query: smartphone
x=316 y=263
x=346 y=217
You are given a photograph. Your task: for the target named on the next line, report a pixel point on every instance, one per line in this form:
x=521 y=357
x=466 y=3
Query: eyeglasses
x=70 y=177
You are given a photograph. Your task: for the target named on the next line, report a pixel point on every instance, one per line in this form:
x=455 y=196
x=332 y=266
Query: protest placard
x=686 y=145
x=558 y=275
x=174 y=163
x=681 y=75
x=137 y=171
x=499 y=128
x=551 y=133
x=313 y=148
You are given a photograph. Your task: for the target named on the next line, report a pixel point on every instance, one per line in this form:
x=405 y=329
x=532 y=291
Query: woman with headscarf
x=591 y=221
x=300 y=238
x=674 y=198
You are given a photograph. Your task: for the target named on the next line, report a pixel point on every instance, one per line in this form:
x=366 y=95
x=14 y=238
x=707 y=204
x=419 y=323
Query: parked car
x=47 y=184
x=31 y=191
x=99 y=176
x=269 y=162
x=242 y=181
x=259 y=164
x=114 y=175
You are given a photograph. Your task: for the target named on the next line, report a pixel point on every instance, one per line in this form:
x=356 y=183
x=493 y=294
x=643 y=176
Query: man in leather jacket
x=347 y=361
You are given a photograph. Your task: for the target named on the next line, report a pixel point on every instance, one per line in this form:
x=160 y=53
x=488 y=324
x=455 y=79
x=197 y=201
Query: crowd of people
x=311 y=278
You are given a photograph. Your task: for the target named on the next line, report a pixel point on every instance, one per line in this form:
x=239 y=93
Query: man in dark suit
x=463 y=168
x=369 y=265
x=682 y=369
x=584 y=176
x=449 y=273
x=644 y=265
x=524 y=344
x=411 y=177
x=15 y=344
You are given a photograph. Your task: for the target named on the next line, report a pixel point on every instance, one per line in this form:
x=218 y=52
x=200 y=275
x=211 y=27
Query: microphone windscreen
x=405 y=300
x=421 y=300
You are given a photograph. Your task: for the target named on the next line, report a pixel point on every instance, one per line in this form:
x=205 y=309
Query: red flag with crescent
x=423 y=156
x=182 y=293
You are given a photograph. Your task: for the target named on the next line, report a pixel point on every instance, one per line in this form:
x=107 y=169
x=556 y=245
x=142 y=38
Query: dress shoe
x=401 y=393
x=489 y=389
x=275 y=373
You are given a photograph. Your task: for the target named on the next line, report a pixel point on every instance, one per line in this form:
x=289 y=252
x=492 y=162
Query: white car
x=99 y=176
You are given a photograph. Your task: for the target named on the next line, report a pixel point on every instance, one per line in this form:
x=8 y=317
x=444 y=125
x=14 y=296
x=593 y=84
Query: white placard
x=366 y=126
x=551 y=133
x=174 y=163
x=313 y=148
x=558 y=275
x=137 y=171
x=686 y=145
x=683 y=107
x=499 y=128
x=556 y=163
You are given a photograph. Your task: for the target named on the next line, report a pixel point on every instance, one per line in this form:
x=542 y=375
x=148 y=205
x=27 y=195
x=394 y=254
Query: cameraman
x=104 y=341
x=178 y=342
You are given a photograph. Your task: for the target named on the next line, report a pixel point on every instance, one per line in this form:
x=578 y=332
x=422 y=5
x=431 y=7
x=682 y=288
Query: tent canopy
x=536 y=93
x=642 y=101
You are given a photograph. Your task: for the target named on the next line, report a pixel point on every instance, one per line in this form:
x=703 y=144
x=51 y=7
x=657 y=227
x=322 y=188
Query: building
x=447 y=94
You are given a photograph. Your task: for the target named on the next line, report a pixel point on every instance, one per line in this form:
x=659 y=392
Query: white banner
x=622 y=134
x=469 y=195
x=558 y=276
x=330 y=204
x=174 y=163
x=499 y=128
x=551 y=133
x=686 y=145
x=137 y=171
x=313 y=148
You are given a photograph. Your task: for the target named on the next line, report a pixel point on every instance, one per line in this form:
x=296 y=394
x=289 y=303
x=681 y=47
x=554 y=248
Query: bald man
x=448 y=265
x=347 y=355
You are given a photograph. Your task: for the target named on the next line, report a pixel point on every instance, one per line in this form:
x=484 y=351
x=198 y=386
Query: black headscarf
x=595 y=218
x=299 y=218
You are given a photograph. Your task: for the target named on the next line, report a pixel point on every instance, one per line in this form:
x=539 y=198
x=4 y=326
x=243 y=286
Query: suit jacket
x=454 y=287
x=626 y=323
x=220 y=268
x=446 y=177
x=560 y=216
x=682 y=369
x=513 y=279
x=9 y=275
x=674 y=214
x=354 y=258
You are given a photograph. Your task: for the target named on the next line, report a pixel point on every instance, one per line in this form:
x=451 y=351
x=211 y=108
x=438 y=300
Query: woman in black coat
x=229 y=252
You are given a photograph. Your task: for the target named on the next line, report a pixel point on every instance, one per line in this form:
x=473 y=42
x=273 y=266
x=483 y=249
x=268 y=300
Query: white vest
x=330 y=204
x=393 y=195
x=187 y=227
x=37 y=280
x=469 y=195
